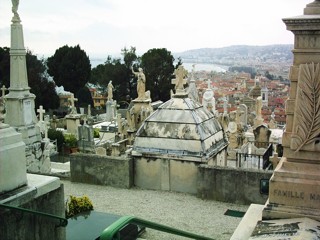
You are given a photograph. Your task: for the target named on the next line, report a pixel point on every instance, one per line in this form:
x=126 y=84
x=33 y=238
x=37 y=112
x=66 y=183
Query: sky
x=104 y=27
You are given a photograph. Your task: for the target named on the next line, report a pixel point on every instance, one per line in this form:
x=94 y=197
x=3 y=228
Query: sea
x=208 y=67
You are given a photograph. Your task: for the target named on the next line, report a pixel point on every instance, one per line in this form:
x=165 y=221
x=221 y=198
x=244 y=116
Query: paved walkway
x=182 y=211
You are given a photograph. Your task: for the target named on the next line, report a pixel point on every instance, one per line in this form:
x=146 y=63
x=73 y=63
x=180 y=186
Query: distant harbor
x=208 y=67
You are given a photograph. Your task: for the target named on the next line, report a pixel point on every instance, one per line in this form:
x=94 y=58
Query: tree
x=70 y=67
x=84 y=97
x=130 y=59
x=38 y=81
x=157 y=64
x=5 y=67
x=40 y=85
x=119 y=72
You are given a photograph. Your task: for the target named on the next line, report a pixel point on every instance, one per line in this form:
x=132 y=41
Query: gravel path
x=182 y=211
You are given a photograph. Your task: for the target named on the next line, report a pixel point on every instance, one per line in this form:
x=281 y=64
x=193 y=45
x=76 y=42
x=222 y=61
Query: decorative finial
x=15 y=5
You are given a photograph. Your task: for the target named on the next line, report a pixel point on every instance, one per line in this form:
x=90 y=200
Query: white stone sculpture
x=180 y=80
x=141 y=83
x=110 y=91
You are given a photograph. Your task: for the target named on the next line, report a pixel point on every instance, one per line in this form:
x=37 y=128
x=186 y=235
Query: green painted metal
x=110 y=233
x=62 y=221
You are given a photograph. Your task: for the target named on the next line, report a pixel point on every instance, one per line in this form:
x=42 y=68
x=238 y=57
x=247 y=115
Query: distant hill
x=238 y=53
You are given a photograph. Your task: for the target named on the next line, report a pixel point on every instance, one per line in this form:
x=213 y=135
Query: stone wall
x=101 y=170
x=165 y=174
x=241 y=186
x=16 y=225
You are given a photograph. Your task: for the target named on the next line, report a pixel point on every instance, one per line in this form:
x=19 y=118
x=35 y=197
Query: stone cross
x=72 y=99
x=41 y=111
x=180 y=80
x=3 y=89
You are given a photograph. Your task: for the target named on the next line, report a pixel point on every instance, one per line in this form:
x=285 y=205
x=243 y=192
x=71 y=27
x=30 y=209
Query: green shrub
x=56 y=135
x=76 y=205
x=96 y=133
x=70 y=140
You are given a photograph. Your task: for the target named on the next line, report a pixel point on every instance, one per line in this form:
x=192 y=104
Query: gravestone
x=294 y=189
x=244 y=114
x=262 y=136
x=73 y=118
x=86 y=138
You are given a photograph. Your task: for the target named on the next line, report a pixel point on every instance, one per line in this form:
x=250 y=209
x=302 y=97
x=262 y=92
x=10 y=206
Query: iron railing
x=62 y=222
x=112 y=232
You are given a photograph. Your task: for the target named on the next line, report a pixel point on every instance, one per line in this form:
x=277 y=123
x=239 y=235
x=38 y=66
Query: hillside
x=236 y=55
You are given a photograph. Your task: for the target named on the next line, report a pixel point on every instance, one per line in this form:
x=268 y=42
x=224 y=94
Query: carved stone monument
x=20 y=107
x=73 y=118
x=179 y=81
x=141 y=108
x=86 y=138
x=295 y=185
x=19 y=144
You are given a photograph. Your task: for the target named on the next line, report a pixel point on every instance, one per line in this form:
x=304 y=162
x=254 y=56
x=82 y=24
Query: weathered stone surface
x=294 y=229
x=181 y=127
x=12 y=161
x=239 y=186
x=101 y=170
x=43 y=194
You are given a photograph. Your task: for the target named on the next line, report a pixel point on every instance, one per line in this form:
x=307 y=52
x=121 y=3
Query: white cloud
x=106 y=26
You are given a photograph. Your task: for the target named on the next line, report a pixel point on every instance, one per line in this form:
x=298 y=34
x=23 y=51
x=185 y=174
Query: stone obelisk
x=295 y=185
x=20 y=106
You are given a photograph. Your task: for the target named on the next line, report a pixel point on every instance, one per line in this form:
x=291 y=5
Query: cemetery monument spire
x=20 y=105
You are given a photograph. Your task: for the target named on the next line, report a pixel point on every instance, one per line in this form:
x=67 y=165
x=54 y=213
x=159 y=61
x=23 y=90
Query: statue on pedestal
x=110 y=91
x=15 y=5
x=141 y=83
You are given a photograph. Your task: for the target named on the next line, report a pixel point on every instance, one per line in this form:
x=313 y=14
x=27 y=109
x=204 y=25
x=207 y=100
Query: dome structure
x=180 y=129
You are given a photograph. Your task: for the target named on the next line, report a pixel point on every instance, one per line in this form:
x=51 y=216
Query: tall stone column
x=20 y=106
x=295 y=185
x=20 y=102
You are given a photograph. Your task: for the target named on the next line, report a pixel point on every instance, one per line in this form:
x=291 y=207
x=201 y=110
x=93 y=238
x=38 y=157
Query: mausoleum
x=173 y=141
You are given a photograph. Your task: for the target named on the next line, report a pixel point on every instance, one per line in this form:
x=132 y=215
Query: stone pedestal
x=73 y=121
x=13 y=161
x=139 y=112
x=293 y=207
x=295 y=185
x=294 y=191
x=110 y=110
